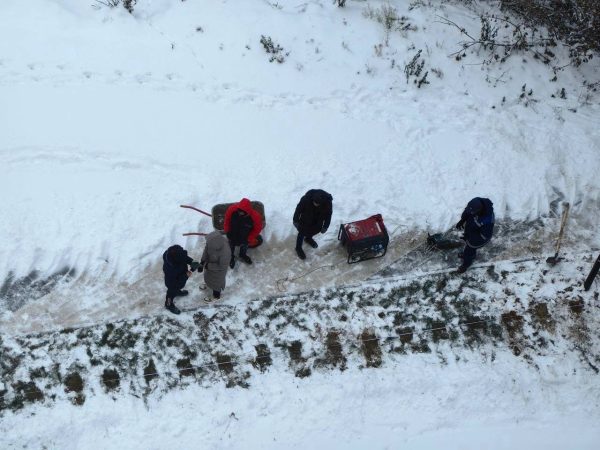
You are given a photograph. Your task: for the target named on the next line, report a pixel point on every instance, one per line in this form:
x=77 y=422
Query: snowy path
x=75 y=300
x=85 y=300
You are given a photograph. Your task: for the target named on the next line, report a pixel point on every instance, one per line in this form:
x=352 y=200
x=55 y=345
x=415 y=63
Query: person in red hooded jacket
x=243 y=226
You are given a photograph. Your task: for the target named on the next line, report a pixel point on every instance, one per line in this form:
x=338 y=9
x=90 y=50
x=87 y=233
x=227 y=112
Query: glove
x=297 y=225
x=195 y=265
x=200 y=268
x=324 y=229
x=461 y=224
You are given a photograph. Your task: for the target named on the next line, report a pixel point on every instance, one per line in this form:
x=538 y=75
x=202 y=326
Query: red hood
x=245 y=205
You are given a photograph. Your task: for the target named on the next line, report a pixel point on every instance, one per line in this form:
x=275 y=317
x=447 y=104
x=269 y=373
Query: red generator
x=364 y=239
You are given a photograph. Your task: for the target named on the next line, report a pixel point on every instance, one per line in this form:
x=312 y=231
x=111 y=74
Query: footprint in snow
x=143 y=78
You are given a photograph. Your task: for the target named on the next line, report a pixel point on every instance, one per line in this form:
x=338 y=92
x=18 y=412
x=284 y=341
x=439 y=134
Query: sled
x=218 y=217
x=364 y=239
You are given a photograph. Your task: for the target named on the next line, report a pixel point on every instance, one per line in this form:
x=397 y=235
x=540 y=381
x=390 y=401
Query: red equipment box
x=364 y=239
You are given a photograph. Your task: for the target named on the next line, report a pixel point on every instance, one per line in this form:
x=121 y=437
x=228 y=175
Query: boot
x=216 y=295
x=300 y=253
x=170 y=305
x=246 y=259
x=182 y=293
x=462 y=269
x=310 y=241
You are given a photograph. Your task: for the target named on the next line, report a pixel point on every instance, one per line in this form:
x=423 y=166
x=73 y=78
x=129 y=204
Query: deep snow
x=110 y=121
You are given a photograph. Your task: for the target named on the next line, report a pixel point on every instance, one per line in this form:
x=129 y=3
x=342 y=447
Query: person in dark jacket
x=312 y=216
x=477 y=220
x=243 y=225
x=175 y=268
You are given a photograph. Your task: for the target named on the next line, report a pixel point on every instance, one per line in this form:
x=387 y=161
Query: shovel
x=553 y=260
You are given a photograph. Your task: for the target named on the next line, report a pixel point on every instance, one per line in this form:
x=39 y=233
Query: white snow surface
x=109 y=121
x=418 y=406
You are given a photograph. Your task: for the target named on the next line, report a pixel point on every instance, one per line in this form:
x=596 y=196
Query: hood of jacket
x=175 y=255
x=245 y=205
x=480 y=206
x=319 y=196
x=215 y=241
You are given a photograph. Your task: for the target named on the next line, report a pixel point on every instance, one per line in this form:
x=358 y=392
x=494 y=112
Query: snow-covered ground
x=504 y=357
x=110 y=121
x=350 y=410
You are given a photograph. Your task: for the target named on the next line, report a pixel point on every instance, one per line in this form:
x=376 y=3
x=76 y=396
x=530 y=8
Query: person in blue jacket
x=477 y=220
x=175 y=268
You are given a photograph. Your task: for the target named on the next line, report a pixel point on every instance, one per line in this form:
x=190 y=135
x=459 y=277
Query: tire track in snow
x=27 y=155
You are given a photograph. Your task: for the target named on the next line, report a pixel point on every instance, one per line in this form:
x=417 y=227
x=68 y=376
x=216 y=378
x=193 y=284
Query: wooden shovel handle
x=563 y=225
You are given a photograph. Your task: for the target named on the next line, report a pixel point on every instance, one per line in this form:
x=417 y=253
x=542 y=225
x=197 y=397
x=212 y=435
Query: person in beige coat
x=214 y=263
